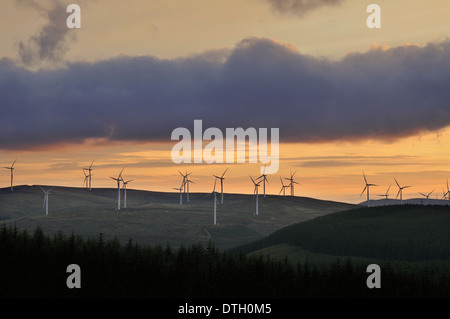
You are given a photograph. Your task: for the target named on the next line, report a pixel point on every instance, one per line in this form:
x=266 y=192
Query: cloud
x=300 y=7
x=380 y=94
x=49 y=44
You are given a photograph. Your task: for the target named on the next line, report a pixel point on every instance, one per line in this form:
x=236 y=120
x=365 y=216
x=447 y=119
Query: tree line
x=33 y=265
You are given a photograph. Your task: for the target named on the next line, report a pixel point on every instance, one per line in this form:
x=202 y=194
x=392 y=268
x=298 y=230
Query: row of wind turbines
x=446 y=195
x=184 y=188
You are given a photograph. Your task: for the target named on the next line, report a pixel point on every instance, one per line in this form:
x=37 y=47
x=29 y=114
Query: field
x=156 y=217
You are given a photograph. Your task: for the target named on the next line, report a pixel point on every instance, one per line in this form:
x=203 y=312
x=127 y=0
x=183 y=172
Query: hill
x=410 y=233
x=157 y=217
x=410 y=201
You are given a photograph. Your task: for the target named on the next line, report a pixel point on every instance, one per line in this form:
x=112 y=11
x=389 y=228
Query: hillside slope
x=157 y=217
x=402 y=233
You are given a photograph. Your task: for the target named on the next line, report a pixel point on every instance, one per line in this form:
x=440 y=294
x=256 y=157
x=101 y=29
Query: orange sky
x=326 y=171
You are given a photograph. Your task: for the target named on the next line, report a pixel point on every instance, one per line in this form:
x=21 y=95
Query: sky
x=346 y=99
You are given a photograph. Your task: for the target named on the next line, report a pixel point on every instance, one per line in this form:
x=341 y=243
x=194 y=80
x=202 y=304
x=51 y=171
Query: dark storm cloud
x=48 y=44
x=300 y=7
x=379 y=94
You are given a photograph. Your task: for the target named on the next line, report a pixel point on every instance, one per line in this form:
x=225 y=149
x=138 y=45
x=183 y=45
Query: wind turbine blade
x=13 y=163
x=224 y=172
x=91 y=164
x=388 y=189
x=397 y=183
x=365 y=180
x=422 y=194
x=252 y=180
x=363 y=191
x=399 y=191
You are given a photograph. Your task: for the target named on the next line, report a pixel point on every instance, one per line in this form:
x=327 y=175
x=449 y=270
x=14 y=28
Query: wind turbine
x=89 y=169
x=12 y=174
x=118 y=179
x=400 y=190
x=448 y=192
x=221 y=184
x=214 y=193
x=427 y=195
x=283 y=187
x=292 y=182
x=46 y=192
x=255 y=192
x=185 y=177
x=366 y=187
x=124 y=190
x=86 y=179
x=264 y=180
x=188 y=181
x=181 y=194
x=387 y=193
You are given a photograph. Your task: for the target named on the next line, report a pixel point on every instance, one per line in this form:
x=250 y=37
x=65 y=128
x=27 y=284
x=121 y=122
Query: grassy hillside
x=156 y=217
x=400 y=233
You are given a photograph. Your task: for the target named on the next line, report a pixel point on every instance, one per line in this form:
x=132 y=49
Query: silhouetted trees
x=33 y=265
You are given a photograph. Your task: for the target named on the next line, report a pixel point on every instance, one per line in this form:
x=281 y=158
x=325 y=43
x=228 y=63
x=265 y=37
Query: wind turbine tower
x=283 y=187
x=400 y=190
x=255 y=193
x=185 y=177
x=181 y=192
x=118 y=179
x=446 y=194
x=292 y=182
x=366 y=188
x=86 y=179
x=45 y=205
x=264 y=180
x=214 y=193
x=221 y=184
x=12 y=174
x=124 y=189
x=188 y=181
x=89 y=176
